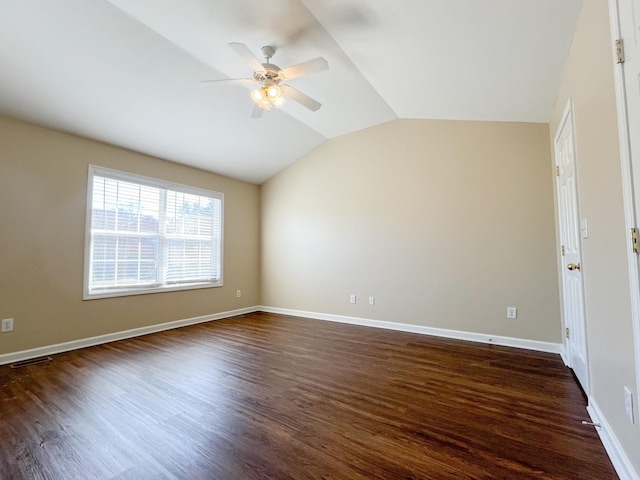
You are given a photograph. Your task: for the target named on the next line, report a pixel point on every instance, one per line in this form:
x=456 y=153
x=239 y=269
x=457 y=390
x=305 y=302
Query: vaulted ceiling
x=127 y=72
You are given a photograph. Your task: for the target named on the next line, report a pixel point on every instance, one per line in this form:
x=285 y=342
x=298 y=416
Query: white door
x=625 y=25
x=573 y=303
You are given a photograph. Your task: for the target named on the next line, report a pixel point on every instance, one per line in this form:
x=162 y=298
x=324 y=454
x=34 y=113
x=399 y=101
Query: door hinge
x=635 y=240
x=619 y=51
x=557 y=171
x=566 y=332
x=562 y=250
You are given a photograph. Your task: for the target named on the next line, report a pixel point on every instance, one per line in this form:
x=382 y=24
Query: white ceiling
x=126 y=72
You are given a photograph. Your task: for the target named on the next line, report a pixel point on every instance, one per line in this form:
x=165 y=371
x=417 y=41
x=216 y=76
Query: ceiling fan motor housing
x=271 y=74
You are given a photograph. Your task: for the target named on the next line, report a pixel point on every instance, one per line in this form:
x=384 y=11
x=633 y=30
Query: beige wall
x=43 y=185
x=445 y=223
x=588 y=81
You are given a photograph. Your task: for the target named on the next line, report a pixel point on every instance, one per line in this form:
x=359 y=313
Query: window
x=146 y=235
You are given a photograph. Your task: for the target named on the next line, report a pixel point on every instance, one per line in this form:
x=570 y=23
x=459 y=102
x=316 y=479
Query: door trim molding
x=627 y=185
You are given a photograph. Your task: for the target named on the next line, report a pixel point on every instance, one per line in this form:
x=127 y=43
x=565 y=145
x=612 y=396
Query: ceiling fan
x=272 y=92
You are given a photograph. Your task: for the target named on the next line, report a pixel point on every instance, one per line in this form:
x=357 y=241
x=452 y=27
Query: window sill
x=144 y=290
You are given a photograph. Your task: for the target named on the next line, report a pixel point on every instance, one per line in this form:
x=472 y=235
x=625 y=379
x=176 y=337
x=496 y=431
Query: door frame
x=628 y=194
x=566 y=351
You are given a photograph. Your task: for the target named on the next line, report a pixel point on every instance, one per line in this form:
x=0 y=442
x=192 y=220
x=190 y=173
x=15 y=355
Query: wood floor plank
x=271 y=396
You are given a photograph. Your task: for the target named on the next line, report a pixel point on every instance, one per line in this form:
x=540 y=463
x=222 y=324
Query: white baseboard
x=112 y=337
x=618 y=457
x=438 y=332
x=403 y=327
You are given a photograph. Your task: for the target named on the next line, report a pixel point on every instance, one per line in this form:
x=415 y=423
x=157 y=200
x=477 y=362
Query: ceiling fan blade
x=310 y=66
x=257 y=112
x=230 y=81
x=242 y=50
x=302 y=98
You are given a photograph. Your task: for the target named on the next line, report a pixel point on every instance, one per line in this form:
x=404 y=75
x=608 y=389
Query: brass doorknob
x=573 y=266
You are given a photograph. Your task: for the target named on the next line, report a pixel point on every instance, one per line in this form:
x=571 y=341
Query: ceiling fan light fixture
x=268 y=95
x=261 y=98
x=259 y=95
x=273 y=91
x=278 y=101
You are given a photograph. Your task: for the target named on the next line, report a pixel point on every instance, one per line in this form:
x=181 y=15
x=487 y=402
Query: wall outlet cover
x=7 y=325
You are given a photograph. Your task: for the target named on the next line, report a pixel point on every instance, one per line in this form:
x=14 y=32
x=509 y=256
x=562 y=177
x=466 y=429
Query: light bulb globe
x=273 y=91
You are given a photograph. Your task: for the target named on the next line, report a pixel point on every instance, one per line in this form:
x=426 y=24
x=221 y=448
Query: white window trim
x=153 y=182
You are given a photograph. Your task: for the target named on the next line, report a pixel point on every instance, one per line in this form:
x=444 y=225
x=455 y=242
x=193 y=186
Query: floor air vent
x=31 y=361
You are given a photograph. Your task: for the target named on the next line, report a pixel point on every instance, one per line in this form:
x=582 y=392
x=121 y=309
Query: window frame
x=119 y=175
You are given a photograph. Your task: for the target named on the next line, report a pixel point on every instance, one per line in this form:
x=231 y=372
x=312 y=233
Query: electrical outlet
x=352 y=299
x=512 y=312
x=372 y=301
x=628 y=403
x=7 y=325
x=238 y=293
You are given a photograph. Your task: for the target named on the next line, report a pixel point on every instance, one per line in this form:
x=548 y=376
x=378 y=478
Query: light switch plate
x=584 y=228
x=628 y=404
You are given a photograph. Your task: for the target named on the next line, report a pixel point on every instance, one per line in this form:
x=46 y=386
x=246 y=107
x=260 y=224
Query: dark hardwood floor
x=277 y=397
